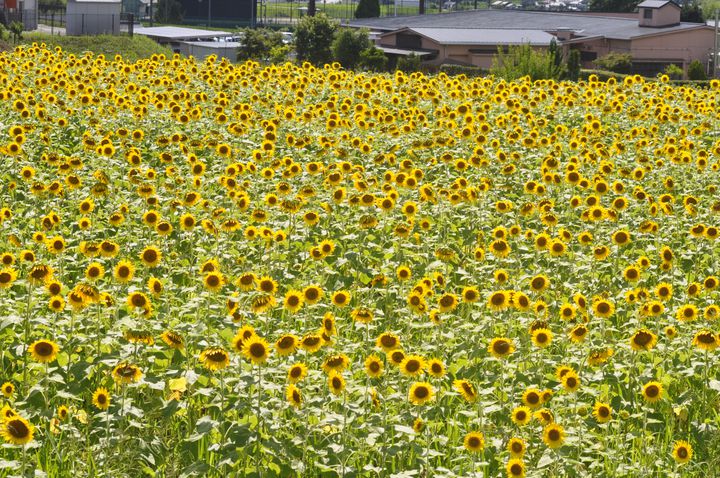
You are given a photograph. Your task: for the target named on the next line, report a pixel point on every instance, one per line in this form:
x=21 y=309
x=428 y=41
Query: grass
x=131 y=48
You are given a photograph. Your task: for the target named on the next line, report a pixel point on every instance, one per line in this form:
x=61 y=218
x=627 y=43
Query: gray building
x=93 y=17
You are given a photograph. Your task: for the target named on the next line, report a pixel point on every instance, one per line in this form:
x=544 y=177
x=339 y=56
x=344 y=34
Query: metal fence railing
x=62 y=22
x=286 y=12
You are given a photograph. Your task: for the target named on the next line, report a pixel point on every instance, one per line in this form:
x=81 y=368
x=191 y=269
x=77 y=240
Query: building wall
x=86 y=18
x=675 y=46
x=667 y=15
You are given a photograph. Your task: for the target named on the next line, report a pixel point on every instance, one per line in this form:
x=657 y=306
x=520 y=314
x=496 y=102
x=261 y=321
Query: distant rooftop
x=656 y=3
x=487 y=36
x=179 y=33
x=513 y=20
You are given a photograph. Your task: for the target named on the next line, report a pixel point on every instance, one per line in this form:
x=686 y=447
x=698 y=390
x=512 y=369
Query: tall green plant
x=523 y=60
x=313 y=39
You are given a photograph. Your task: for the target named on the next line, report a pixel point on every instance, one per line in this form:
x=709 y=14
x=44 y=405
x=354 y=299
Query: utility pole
x=151 y=13
x=715 y=50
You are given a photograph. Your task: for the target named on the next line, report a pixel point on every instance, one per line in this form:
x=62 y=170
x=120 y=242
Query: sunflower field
x=226 y=270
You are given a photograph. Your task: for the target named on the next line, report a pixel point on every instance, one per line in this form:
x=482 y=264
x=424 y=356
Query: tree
x=696 y=71
x=673 y=71
x=367 y=9
x=312 y=9
x=613 y=5
x=16 y=29
x=348 y=45
x=313 y=39
x=615 y=62
x=523 y=60
x=573 y=65
x=409 y=63
x=373 y=59
x=258 y=43
x=692 y=12
x=169 y=11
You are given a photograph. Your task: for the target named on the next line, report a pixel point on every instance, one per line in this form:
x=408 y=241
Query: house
x=654 y=36
x=93 y=17
x=179 y=39
x=23 y=11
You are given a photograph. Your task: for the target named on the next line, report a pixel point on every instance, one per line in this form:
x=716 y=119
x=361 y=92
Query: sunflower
x=151 y=256
x=652 y=392
x=420 y=393
x=294 y=396
x=500 y=248
x=706 y=340
x=256 y=349
x=578 y=333
x=7 y=389
x=293 y=300
x=517 y=447
x=312 y=294
x=554 y=435
x=602 y=412
x=515 y=468
x=138 y=300
x=498 y=300
x=124 y=271
x=387 y=341
x=40 y=273
x=435 y=368
x=311 y=343
x=101 y=398
x=287 y=344
x=336 y=383
x=603 y=307
x=173 y=339
x=362 y=315
x=43 y=351
x=532 y=397
x=8 y=275
x=643 y=339
x=16 y=430
x=521 y=416
x=571 y=382
x=214 y=358
x=687 y=313
x=214 y=281
x=542 y=337
x=262 y=303
x=341 y=298
x=682 y=451
x=539 y=283
x=413 y=365
x=125 y=373
x=374 y=366
x=621 y=237
x=396 y=357
x=501 y=347
x=297 y=372
x=474 y=442
x=466 y=389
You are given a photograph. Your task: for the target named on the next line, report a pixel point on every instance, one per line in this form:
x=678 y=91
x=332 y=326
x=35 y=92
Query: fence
x=61 y=22
x=26 y=17
x=289 y=12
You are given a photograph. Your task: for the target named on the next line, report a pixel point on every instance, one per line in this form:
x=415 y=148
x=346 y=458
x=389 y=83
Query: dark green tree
x=572 y=70
x=367 y=9
x=692 y=12
x=613 y=5
x=348 y=45
x=696 y=71
x=258 y=43
x=409 y=63
x=373 y=59
x=169 y=11
x=313 y=39
x=615 y=62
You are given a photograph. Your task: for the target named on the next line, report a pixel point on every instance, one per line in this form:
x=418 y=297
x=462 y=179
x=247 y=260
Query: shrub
x=696 y=71
x=367 y=9
x=409 y=63
x=313 y=39
x=258 y=43
x=348 y=45
x=572 y=70
x=523 y=60
x=615 y=62
x=674 y=72
x=469 y=71
x=373 y=59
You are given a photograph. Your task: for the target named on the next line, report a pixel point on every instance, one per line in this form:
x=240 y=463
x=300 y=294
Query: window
x=406 y=40
x=647 y=13
x=588 y=56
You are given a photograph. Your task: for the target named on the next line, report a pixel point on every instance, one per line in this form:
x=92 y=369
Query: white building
x=93 y=17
